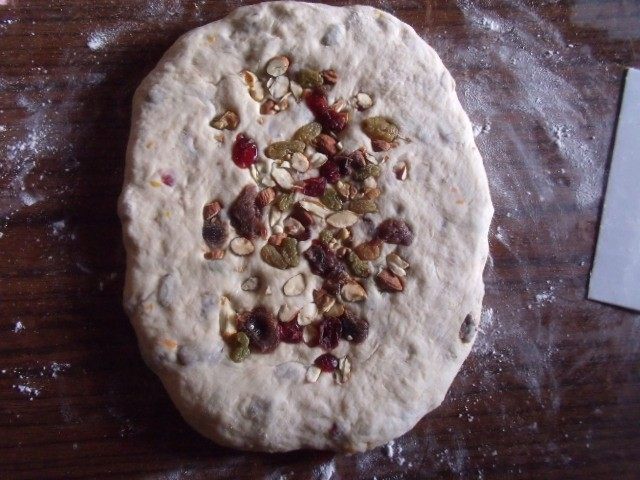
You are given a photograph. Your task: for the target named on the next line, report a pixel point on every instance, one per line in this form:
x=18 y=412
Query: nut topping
x=353 y=292
x=227 y=121
x=363 y=101
x=294 y=286
x=277 y=66
x=342 y=219
x=388 y=282
x=241 y=246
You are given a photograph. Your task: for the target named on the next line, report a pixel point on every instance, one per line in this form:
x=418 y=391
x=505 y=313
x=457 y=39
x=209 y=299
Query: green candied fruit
x=240 y=353
x=308 y=78
x=289 y=251
x=308 y=133
x=362 y=206
x=359 y=267
x=242 y=339
x=281 y=150
x=379 y=128
x=331 y=200
x=284 y=201
x=270 y=254
x=326 y=236
x=365 y=172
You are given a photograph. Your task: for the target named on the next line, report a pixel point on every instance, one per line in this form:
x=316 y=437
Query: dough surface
x=418 y=338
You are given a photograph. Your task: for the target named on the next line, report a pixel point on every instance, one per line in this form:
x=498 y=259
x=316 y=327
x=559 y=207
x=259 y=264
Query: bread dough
x=176 y=163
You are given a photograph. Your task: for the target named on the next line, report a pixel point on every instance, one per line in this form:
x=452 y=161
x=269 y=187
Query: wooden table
x=552 y=388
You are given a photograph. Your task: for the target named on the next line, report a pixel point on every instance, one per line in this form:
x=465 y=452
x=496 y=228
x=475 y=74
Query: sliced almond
x=283 y=178
x=343 y=374
x=278 y=66
x=342 y=188
x=256 y=90
x=227 y=121
x=278 y=87
x=251 y=284
x=342 y=219
x=287 y=313
x=295 y=285
x=388 y=282
x=343 y=234
x=310 y=334
x=296 y=90
x=269 y=107
x=315 y=207
x=318 y=159
x=227 y=318
x=336 y=310
x=277 y=229
x=401 y=170
x=353 y=292
x=307 y=314
x=242 y=246
x=275 y=216
x=299 y=162
x=283 y=104
x=396 y=270
x=313 y=374
x=394 y=258
x=371 y=193
x=363 y=101
x=370 y=182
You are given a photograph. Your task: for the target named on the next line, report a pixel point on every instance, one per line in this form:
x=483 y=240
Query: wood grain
x=553 y=391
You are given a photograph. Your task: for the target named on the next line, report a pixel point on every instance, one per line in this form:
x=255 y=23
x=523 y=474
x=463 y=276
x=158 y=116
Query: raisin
x=326 y=362
x=344 y=164
x=379 y=128
x=308 y=78
x=244 y=151
x=245 y=215
x=359 y=267
x=261 y=326
x=314 y=187
x=329 y=333
x=317 y=101
x=214 y=232
x=323 y=261
x=304 y=217
x=358 y=159
x=330 y=199
x=354 y=328
x=396 y=231
x=290 y=332
x=331 y=171
x=332 y=120
x=308 y=133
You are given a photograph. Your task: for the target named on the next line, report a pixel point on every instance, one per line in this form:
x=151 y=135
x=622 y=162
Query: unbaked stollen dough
x=177 y=163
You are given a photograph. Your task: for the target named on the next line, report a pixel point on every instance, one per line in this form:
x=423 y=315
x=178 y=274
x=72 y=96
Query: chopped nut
x=353 y=292
x=339 y=105
x=397 y=259
x=256 y=90
x=307 y=314
x=313 y=374
x=336 y=310
x=401 y=171
x=283 y=104
x=369 y=251
x=342 y=219
x=265 y=197
x=293 y=227
x=396 y=270
x=277 y=66
x=294 y=286
x=310 y=334
x=363 y=101
x=299 y=162
x=330 y=76
x=251 y=284
x=227 y=121
x=277 y=229
x=283 y=178
x=215 y=254
x=318 y=159
x=343 y=189
x=388 y=282
x=296 y=90
x=343 y=234
x=315 y=207
x=275 y=216
x=326 y=144
x=343 y=374
x=287 y=313
x=278 y=87
x=277 y=239
x=323 y=300
x=242 y=246
x=269 y=107
x=370 y=182
x=371 y=193
x=381 y=145
x=227 y=318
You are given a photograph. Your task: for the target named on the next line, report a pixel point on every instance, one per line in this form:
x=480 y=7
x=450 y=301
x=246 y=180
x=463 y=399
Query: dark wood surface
x=552 y=388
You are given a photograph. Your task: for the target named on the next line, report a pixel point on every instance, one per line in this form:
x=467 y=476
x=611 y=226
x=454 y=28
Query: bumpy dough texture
x=172 y=293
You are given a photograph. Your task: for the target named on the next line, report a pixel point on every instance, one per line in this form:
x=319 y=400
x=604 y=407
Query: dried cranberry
x=394 y=230
x=214 y=232
x=290 y=332
x=329 y=333
x=245 y=215
x=317 y=101
x=244 y=151
x=261 y=326
x=300 y=214
x=326 y=362
x=354 y=328
x=332 y=120
x=168 y=179
x=330 y=171
x=314 y=187
x=323 y=261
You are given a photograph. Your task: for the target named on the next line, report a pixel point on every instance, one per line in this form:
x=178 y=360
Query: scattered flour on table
x=18 y=327
x=27 y=391
x=325 y=471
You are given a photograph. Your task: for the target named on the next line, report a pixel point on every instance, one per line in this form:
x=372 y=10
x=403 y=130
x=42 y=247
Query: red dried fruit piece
x=261 y=326
x=330 y=171
x=244 y=151
x=354 y=328
x=214 y=232
x=323 y=261
x=358 y=159
x=314 y=187
x=317 y=101
x=332 y=120
x=326 y=362
x=168 y=179
x=245 y=215
x=396 y=231
x=329 y=333
x=290 y=332
x=300 y=214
